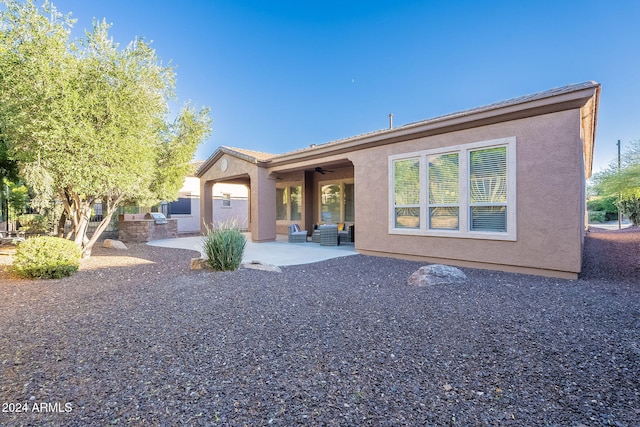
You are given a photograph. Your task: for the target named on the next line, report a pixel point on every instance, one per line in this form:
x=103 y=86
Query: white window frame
x=226 y=200
x=464 y=219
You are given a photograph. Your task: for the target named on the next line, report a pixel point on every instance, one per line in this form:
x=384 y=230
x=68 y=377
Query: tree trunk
x=88 y=246
x=61 y=223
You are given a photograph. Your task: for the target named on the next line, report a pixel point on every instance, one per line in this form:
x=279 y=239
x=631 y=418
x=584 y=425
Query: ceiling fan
x=322 y=171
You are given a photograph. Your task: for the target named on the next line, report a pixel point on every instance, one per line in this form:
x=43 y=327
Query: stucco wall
x=262 y=194
x=550 y=208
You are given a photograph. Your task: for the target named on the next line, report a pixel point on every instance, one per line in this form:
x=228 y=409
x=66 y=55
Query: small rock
x=114 y=244
x=199 y=264
x=436 y=274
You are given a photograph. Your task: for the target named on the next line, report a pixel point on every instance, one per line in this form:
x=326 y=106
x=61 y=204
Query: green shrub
x=597 y=216
x=34 y=223
x=46 y=257
x=224 y=247
x=605 y=204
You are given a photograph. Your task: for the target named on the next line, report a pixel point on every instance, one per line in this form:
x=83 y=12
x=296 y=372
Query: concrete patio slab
x=279 y=252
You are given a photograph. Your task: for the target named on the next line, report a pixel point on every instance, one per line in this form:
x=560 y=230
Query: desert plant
x=597 y=216
x=631 y=209
x=224 y=247
x=46 y=257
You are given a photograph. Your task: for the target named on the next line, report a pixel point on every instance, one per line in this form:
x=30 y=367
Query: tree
x=8 y=174
x=87 y=121
x=623 y=183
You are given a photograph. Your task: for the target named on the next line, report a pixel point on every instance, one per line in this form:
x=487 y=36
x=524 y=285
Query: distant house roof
x=557 y=99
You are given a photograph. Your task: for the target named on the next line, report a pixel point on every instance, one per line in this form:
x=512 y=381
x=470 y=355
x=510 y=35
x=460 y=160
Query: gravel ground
x=135 y=338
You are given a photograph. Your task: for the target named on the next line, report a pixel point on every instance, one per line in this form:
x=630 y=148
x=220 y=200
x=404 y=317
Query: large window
x=337 y=203
x=289 y=202
x=463 y=191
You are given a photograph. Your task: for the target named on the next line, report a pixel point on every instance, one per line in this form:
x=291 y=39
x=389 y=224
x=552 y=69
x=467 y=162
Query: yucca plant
x=224 y=247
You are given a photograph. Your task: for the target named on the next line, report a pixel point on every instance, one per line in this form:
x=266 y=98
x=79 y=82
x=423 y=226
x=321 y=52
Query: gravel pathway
x=135 y=338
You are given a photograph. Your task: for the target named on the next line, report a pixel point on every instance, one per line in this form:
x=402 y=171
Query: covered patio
x=288 y=189
x=278 y=252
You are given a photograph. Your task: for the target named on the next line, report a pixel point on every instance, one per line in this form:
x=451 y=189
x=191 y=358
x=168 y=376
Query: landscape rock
x=259 y=265
x=114 y=244
x=199 y=264
x=436 y=274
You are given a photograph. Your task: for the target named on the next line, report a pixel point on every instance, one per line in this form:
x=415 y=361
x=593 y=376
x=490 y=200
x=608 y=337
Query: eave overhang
x=582 y=96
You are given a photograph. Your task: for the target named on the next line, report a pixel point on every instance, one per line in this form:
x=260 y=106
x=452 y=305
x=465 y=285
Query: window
x=282 y=203
x=465 y=191
x=488 y=189
x=289 y=203
x=295 y=197
x=407 y=193
x=226 y=200
x=349 y=202
x=444 y=190
x=337 y=202
x=182 y=206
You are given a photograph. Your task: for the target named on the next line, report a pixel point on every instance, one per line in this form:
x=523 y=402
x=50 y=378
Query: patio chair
x=296 y=235
x=329 y=235
x=345 y=233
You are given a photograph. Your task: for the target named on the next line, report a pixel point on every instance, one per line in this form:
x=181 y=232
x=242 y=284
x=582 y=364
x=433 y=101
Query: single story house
x=499 y=187
x=230 y=205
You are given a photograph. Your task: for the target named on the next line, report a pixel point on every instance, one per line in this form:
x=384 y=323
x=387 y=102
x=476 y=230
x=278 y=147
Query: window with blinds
x=488 y=189
x=407 y=193
x=444 y=191
x=466 y=191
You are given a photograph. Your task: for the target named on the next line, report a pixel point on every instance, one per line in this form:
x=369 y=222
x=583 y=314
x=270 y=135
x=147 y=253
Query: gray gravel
x=342 y=342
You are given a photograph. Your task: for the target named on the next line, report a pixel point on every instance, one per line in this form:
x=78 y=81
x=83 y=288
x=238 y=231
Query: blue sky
x=280 y=75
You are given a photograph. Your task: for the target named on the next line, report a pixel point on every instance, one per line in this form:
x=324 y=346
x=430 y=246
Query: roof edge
x=231 y=151
x=553 y=100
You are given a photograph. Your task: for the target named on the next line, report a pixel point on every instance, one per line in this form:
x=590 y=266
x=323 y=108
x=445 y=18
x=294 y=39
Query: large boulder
x=114 y=244
x=436 y=274
x=259 y=265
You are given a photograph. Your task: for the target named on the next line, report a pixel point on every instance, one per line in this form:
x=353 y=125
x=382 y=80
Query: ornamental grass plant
x=224 y=247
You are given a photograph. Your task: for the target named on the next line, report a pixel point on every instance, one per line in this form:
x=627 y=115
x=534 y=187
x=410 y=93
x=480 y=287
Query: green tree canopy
x=623 y=183
x=88 y=121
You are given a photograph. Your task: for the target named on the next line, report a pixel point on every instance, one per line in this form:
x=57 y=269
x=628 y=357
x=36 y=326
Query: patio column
x=206 y=205
x=263 y=206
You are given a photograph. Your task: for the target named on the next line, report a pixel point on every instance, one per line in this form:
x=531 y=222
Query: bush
x=224 y=247
x=34 y=223
x=605 y=204
x=597 y=216
x=46 y=257
x=631 y=208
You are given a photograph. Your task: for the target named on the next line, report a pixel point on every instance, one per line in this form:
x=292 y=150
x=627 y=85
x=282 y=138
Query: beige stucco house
x=229 y=202
x=499 y=187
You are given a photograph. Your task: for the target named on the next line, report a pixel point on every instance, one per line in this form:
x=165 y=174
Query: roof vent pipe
x=390 y=120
